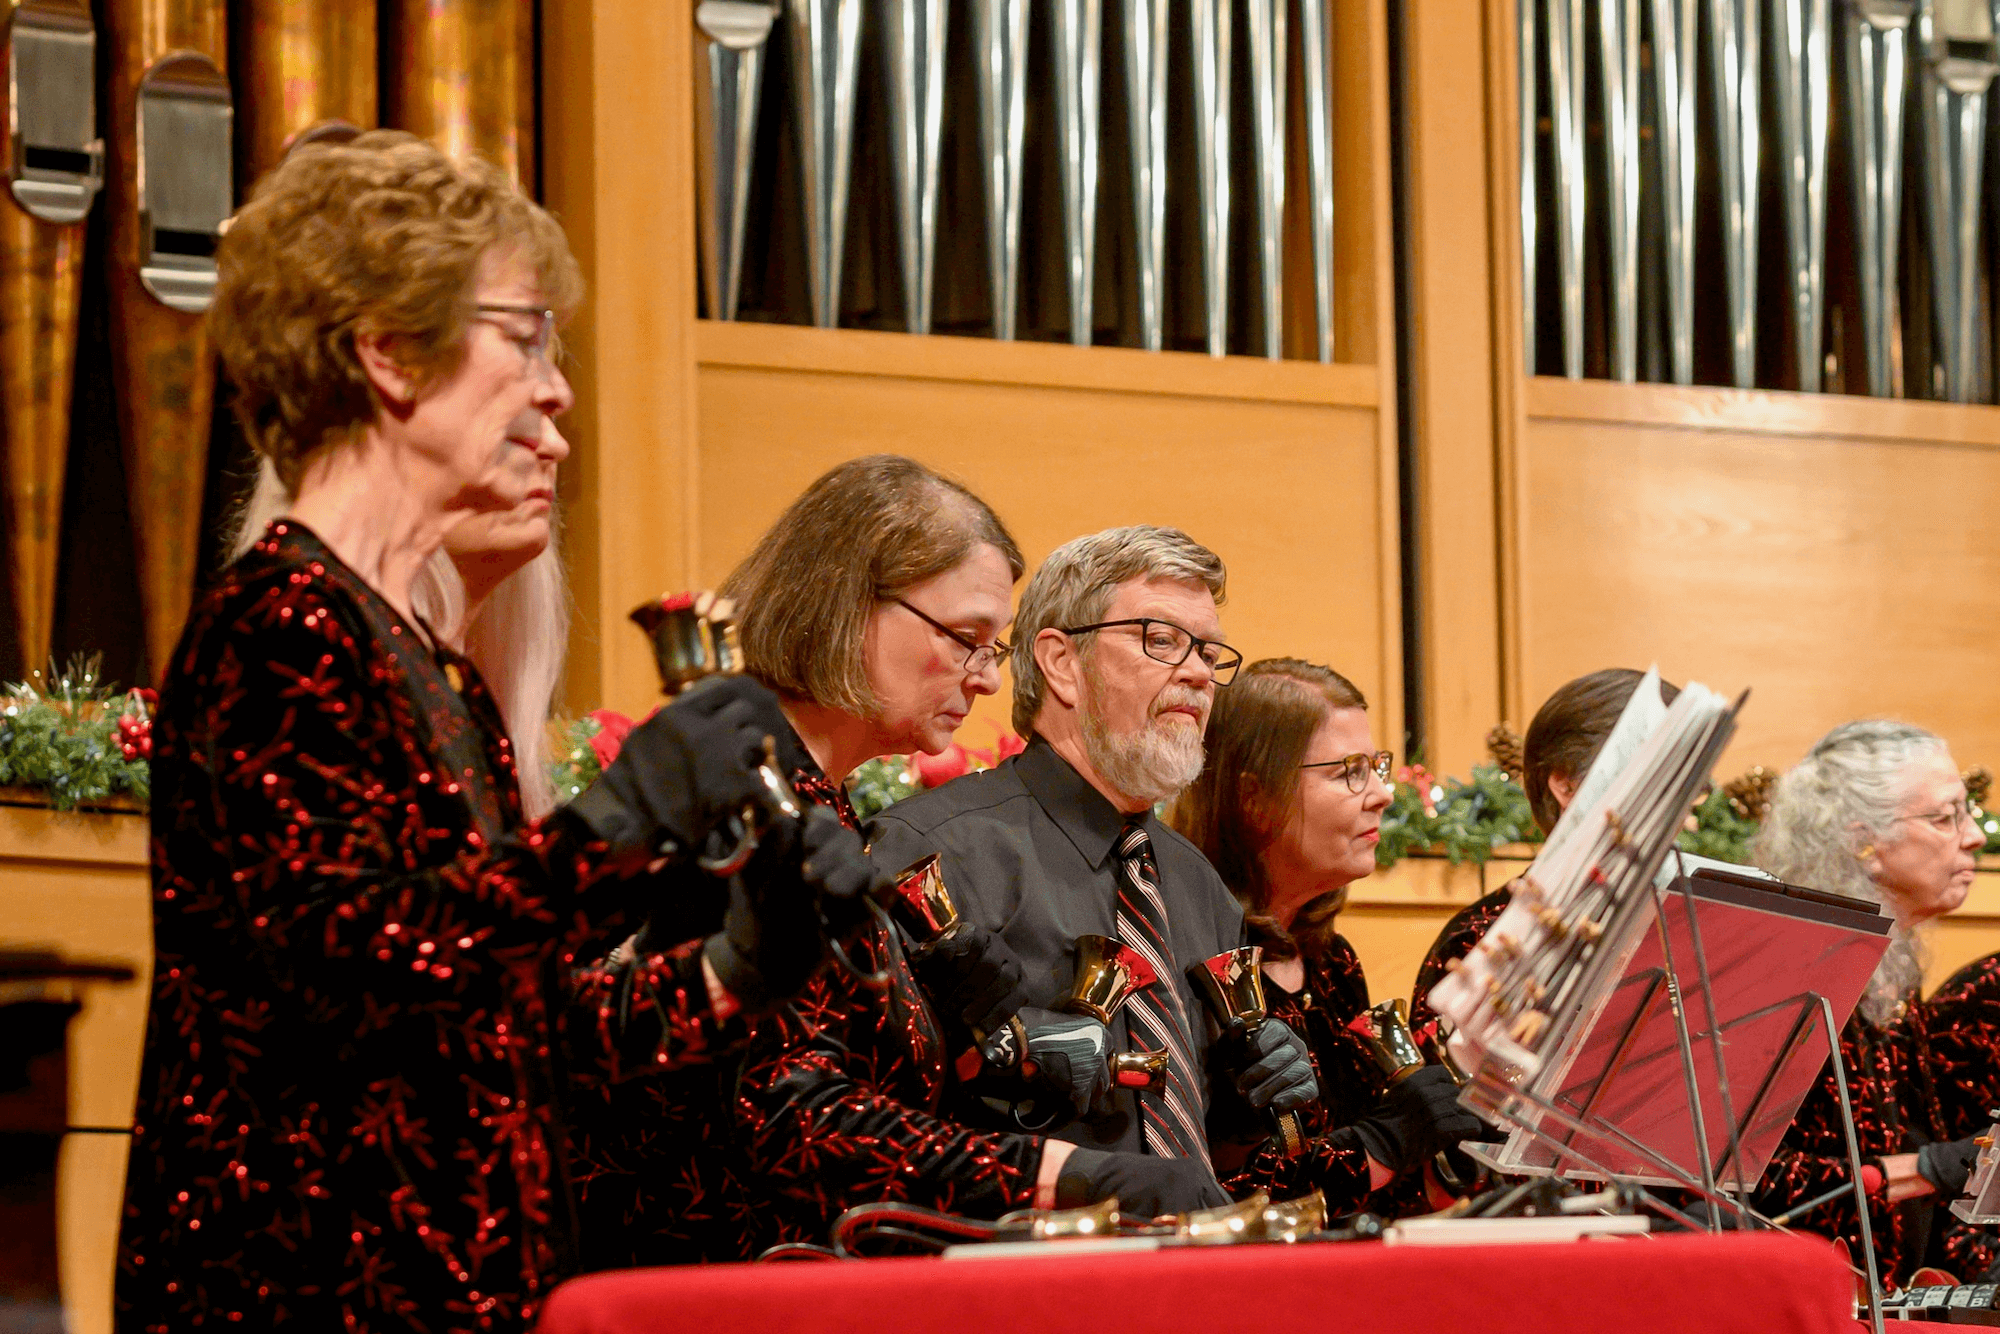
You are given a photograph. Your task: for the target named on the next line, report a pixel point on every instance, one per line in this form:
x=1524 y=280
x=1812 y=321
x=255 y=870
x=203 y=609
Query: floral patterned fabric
x=346 y=1116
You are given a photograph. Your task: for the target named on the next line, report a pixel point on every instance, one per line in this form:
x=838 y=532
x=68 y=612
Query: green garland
x=78 y=741
x=1466 y=821
x=575 y=766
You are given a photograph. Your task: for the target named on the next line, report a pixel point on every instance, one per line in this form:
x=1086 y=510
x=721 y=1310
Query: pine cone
x=1978 y=785
x=1503 y=743
x=1750 y=794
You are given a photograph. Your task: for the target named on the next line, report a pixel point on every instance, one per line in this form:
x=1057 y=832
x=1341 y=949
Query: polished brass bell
x=1232 y=985
x=1385 y=1030
x=921 y=904
x=1108 y=971
x=1241 y=1221
x=1290 y=1220
x=693 y=637
x=1092 y=1220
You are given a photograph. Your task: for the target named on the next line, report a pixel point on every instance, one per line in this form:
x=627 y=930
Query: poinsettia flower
x=947 y=764
x=1008 y=745
x=612 y=729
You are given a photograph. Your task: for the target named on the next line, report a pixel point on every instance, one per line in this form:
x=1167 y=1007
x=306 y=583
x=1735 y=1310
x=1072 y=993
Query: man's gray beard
x=1151 y=764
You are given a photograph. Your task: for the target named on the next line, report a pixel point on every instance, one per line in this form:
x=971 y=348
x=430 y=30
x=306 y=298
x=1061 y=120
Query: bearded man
x=1118 y=656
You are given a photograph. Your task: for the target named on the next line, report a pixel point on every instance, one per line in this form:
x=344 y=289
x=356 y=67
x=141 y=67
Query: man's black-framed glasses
x=534 y=346
x=1163 y=641
x=1356 y=768
x=978 y=657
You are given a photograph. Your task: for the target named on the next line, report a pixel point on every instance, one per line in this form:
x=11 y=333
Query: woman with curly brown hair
x=346 y=1116
x=1288 y=808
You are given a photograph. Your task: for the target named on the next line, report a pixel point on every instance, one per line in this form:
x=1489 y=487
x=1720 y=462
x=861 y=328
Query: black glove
x=1072 y=1056
x=1281 y=1075
x=1948 y=1166
x=772 y=941
x=684 y=769
x=1418 y=1116
x=971 y=975
x=1146 y=1185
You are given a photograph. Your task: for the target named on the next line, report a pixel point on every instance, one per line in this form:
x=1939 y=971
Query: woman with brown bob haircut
x=1288 y=809
x=346 y=1116
x=873 y=608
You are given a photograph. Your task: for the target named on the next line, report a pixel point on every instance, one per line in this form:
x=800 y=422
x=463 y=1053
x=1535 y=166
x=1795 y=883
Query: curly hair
x=1257 y=738
x=865 y=532
x=382 y=235
x=1847 y=791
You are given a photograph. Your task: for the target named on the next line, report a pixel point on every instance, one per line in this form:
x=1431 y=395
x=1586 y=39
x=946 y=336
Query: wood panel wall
x=692 y=435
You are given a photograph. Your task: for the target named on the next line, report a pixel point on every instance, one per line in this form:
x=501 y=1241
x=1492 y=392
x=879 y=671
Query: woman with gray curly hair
x=1877 y=811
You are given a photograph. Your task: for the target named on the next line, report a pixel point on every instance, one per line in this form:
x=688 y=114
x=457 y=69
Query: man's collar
x=1085 y=816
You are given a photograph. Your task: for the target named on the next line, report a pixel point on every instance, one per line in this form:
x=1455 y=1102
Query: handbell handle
x=1144 y=1070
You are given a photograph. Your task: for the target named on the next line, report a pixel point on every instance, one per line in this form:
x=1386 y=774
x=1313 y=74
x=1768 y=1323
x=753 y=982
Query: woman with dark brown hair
x=1562 y=742
x=1288 y=808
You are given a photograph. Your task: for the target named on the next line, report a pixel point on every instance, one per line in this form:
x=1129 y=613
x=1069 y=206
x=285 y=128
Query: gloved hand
x=1418 y=1116
x=685 y=768
x=772 y=942
x=1072 y=1056
x=1280 y=1075
x=971 y=975
x=1948 y=1166
x=1146 y=1185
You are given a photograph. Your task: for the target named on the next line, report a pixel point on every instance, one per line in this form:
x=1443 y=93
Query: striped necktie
x=1155 y=1016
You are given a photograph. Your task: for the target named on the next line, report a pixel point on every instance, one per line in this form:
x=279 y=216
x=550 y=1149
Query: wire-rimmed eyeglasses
x=978 y=657
x=1355 y=768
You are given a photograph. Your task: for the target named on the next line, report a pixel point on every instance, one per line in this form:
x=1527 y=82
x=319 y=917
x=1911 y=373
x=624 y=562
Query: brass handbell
x=1385 y=1030
x=1092 y=1220
x=921 y=904
x=1232 y=986
x=1241 y=1221
x=1289 y=1220
x=694 y=638
x=1108 y=971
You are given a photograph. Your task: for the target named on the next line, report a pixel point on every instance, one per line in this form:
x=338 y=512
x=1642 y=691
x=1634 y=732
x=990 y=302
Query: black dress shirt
x=1027 y=851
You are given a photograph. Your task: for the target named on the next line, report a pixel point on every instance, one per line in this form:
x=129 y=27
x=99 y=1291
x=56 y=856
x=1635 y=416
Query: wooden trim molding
x=1763 y=412
x=1039 y=365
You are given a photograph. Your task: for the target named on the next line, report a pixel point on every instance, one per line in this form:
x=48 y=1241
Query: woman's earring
x=1866 y=852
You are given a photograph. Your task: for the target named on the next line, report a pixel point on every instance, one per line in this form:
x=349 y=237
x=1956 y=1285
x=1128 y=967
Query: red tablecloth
x=1766 y=1284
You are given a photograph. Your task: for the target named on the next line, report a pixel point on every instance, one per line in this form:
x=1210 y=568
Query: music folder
x=1771 y=950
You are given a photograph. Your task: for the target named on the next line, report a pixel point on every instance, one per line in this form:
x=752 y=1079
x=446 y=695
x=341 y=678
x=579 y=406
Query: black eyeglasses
x=1356 y=768
x=978 y=657
x=534 y=346
x=1163 y=641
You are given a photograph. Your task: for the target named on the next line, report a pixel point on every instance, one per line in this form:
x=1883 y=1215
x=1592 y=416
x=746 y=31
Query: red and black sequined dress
x=346 y=1116
x=1467 y=927
x=838 y=1105
x=1961 y=1024
x=1892 y=1080
x=1350 y=1085
x=658 y=1170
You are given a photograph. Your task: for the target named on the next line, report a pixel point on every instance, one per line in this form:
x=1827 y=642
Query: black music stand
x=1643 y=1092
